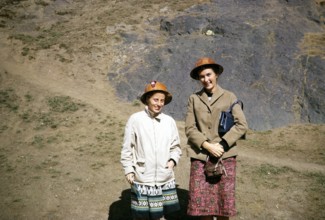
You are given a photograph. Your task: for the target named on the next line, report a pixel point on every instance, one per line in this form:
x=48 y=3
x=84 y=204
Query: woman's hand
x=130 y=177
x=170 y=164
x=215 y=150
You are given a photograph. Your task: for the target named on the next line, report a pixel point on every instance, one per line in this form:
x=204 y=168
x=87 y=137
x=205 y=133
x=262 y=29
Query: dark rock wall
x=257 y=43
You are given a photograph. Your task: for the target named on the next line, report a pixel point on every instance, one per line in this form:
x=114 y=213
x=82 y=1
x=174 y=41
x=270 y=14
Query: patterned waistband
x=153 y=190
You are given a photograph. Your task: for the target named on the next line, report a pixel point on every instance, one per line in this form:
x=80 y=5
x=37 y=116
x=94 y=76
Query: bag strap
x=236 y=102
x=219 y=162
x=223 y=167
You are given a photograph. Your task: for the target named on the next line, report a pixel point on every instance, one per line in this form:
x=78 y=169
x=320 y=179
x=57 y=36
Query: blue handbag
x=227 y=119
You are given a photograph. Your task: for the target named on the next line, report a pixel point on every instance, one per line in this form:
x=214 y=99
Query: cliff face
x=272 y=53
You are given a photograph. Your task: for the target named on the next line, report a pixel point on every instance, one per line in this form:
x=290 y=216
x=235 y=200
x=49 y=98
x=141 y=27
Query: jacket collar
x=158 y=117
x=215 y=96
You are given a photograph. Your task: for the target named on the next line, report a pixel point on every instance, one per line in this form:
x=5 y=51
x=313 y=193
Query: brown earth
x=61 y=129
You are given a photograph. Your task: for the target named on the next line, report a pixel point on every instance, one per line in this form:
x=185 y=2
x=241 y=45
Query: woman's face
x=156 y=102
x=208 y=79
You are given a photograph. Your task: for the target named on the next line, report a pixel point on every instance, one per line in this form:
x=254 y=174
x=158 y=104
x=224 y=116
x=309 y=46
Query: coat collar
x=215 y=96
x=158 y=117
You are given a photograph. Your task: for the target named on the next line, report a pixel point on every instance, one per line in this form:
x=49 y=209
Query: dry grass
x=313 y=44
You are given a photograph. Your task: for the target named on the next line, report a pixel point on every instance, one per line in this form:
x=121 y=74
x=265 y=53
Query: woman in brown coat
x=212 y=197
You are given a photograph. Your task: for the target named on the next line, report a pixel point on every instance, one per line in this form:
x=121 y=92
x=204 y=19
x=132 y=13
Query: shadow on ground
x=120 y=210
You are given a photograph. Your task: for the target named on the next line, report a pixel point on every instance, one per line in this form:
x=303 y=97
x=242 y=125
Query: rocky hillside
x=272 y=50
x=272 y=53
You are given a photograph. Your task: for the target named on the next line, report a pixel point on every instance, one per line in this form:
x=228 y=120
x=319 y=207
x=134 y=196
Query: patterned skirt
x=214 y=197
x=153 y=202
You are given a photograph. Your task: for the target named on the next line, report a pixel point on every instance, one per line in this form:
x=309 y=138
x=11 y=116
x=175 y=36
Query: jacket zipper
x=155 y=149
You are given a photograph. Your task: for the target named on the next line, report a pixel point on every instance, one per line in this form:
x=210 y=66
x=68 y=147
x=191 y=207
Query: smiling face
x=156 y=102
x=208 y=79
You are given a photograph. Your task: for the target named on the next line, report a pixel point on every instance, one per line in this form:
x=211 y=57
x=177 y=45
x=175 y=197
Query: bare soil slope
x=61 y=129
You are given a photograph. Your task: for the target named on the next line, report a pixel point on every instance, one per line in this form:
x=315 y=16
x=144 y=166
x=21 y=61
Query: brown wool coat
x=202 y=120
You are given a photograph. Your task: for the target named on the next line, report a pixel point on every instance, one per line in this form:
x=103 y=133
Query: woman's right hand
x=215 y=150
x=130 y=177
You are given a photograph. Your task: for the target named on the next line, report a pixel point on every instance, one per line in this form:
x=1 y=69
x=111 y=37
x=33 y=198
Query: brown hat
x=155 y=86
x=205 y=62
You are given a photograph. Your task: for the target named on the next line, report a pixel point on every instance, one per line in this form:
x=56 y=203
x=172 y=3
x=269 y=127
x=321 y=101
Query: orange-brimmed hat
x=205 y=62
x=155 y=86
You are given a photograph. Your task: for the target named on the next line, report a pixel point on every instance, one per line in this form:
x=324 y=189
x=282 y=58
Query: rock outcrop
x=272 y=52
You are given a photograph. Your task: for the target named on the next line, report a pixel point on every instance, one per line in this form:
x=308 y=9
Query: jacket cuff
x=171 y=159
x=128 y=170
x=224 y=144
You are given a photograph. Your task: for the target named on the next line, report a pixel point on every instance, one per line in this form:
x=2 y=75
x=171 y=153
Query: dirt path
x=248 y=154
x=51 y=76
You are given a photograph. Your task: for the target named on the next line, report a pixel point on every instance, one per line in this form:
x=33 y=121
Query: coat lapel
x=216 y=95
x=204 y=97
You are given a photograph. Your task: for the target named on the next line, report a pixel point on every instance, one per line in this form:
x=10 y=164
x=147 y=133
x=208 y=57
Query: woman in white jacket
x=151 y=149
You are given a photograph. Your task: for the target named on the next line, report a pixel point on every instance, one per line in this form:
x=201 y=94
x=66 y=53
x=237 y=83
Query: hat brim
x=168 y=96
x=216 y=67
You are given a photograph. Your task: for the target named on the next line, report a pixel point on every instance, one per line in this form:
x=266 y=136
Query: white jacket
x=149 y=143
